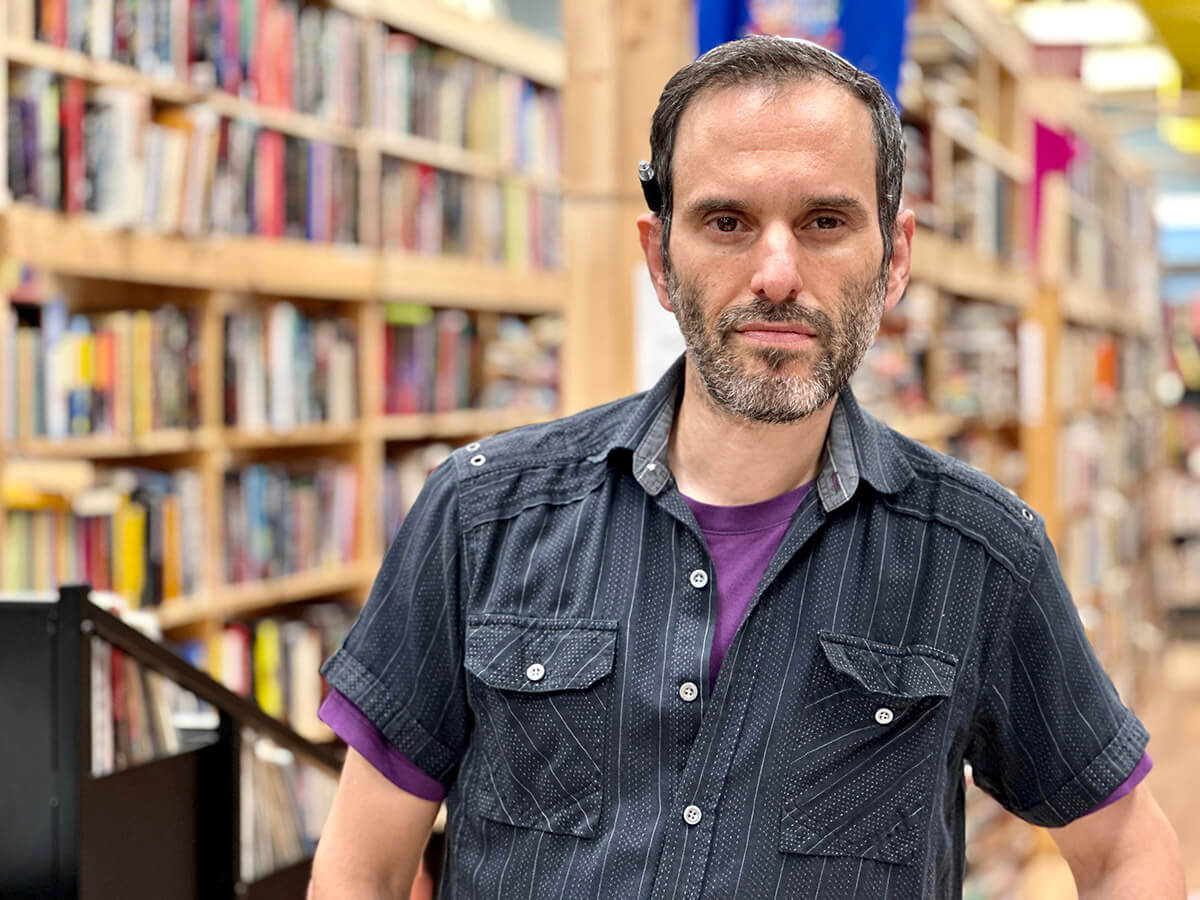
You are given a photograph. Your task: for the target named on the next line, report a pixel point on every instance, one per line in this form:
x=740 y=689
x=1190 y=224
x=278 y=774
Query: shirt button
x=692 y=815
x=884 y=716
x=699 y=578
x=688 y=691
x=478 y=459
x=473 y=446
x=535 y=672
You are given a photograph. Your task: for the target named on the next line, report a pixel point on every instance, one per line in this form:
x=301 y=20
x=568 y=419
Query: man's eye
x=825 y=223
x=725 y=223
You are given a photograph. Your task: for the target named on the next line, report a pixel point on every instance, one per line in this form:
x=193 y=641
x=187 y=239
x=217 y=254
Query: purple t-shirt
x=741 y=541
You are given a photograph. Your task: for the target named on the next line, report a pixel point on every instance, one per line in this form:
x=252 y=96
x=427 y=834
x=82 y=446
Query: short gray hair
x=775 y=62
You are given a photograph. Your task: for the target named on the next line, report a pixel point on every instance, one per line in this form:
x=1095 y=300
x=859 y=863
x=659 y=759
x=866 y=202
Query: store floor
x=1173 y=718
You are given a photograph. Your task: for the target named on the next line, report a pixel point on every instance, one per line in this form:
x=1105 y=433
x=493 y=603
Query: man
x=733 y=637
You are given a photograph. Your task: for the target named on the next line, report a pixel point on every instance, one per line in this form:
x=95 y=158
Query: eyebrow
x=842 y=202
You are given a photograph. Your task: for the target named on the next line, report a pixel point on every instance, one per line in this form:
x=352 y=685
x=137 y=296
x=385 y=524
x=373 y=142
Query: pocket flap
x=910 y=671
x=532 y=655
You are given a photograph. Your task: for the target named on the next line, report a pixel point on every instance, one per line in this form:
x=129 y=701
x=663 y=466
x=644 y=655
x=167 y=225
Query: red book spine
x=71 y=120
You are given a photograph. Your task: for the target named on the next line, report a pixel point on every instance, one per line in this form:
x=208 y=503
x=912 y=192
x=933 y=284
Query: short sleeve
x=1051 y=739
x=401 y=662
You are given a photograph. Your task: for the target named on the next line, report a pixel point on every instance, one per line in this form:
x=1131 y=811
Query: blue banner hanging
x=869 y=33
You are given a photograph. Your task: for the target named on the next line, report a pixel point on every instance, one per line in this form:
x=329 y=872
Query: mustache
x=790 y=311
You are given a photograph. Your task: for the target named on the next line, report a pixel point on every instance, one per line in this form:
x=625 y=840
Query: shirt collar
x=857 y=446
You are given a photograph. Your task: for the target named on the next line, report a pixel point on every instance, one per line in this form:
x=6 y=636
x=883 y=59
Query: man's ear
x=901 y=265
x=650 y=232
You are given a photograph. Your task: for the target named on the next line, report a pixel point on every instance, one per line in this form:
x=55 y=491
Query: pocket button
x=535 y=672
x=884 y=716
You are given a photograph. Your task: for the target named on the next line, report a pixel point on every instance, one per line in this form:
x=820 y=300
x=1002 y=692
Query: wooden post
x=619 y=54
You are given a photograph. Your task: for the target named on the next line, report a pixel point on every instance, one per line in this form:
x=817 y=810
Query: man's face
x=775 y=272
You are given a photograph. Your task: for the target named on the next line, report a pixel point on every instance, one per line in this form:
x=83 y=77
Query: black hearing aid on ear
x=650 y=189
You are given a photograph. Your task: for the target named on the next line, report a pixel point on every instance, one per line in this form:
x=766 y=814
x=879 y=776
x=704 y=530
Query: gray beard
x=774 y=397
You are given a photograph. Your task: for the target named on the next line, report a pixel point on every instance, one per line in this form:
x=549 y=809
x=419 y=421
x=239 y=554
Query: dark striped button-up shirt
x=550 y=593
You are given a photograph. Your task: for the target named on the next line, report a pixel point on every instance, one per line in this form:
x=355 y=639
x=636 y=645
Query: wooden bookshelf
x=96 y=266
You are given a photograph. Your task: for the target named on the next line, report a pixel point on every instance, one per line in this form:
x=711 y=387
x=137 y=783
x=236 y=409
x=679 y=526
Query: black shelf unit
x=164 y=829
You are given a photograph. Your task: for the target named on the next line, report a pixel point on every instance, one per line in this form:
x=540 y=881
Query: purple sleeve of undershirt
x=349 y=723
x=1140 y=771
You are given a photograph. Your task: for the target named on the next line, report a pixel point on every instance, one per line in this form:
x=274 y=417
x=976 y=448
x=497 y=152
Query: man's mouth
x=778 y=334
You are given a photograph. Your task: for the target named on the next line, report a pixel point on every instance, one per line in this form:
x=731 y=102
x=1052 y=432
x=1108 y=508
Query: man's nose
x=777 y=265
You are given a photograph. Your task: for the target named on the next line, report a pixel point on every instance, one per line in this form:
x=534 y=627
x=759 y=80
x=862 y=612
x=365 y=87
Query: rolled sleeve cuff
x=348 y=723
x=1091 y=787
x=390 y=716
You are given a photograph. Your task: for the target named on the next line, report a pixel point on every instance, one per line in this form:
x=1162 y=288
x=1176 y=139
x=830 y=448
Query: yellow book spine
x=268 y=686
x=130 y=556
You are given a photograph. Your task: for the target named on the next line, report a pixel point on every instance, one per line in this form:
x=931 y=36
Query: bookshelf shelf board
x=432 y=153
x=73 y=64
x=305 y=269
x=100 y=446
x=928 y=428
x=470 y=284
x=279 y=119
x=1002 y=39
x=83 y=246
x=1096 y=308
x=459 y=423
x=300 y=436
x=454 y=159
x=959 y=268
x=496 y=41
x=967 y=135
x=229 y=601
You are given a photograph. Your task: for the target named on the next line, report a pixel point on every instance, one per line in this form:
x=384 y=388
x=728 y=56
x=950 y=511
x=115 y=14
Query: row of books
x=404 y=475
x=1116 y=451
x=122 y=373
x=1175 y=505
x=283 y=804
x=978 y=363
x=138 y=533
x=440 y=94
x=1101 y=544
x=522 y=364
x=1177 y=574
x=137 y=714
x=185 y=170
x=430 y=359
x=275 y=662
x=891 y=381
x=1091 y=177
x=993 y=453
x=433 y=211
x=280 y=520
x=284 y=368
x=982 y=202
x=1099 y=371
x=304 y=57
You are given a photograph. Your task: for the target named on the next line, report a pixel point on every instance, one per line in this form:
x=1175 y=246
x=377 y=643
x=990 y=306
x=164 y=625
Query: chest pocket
x=541 y=691
x=861 y=769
